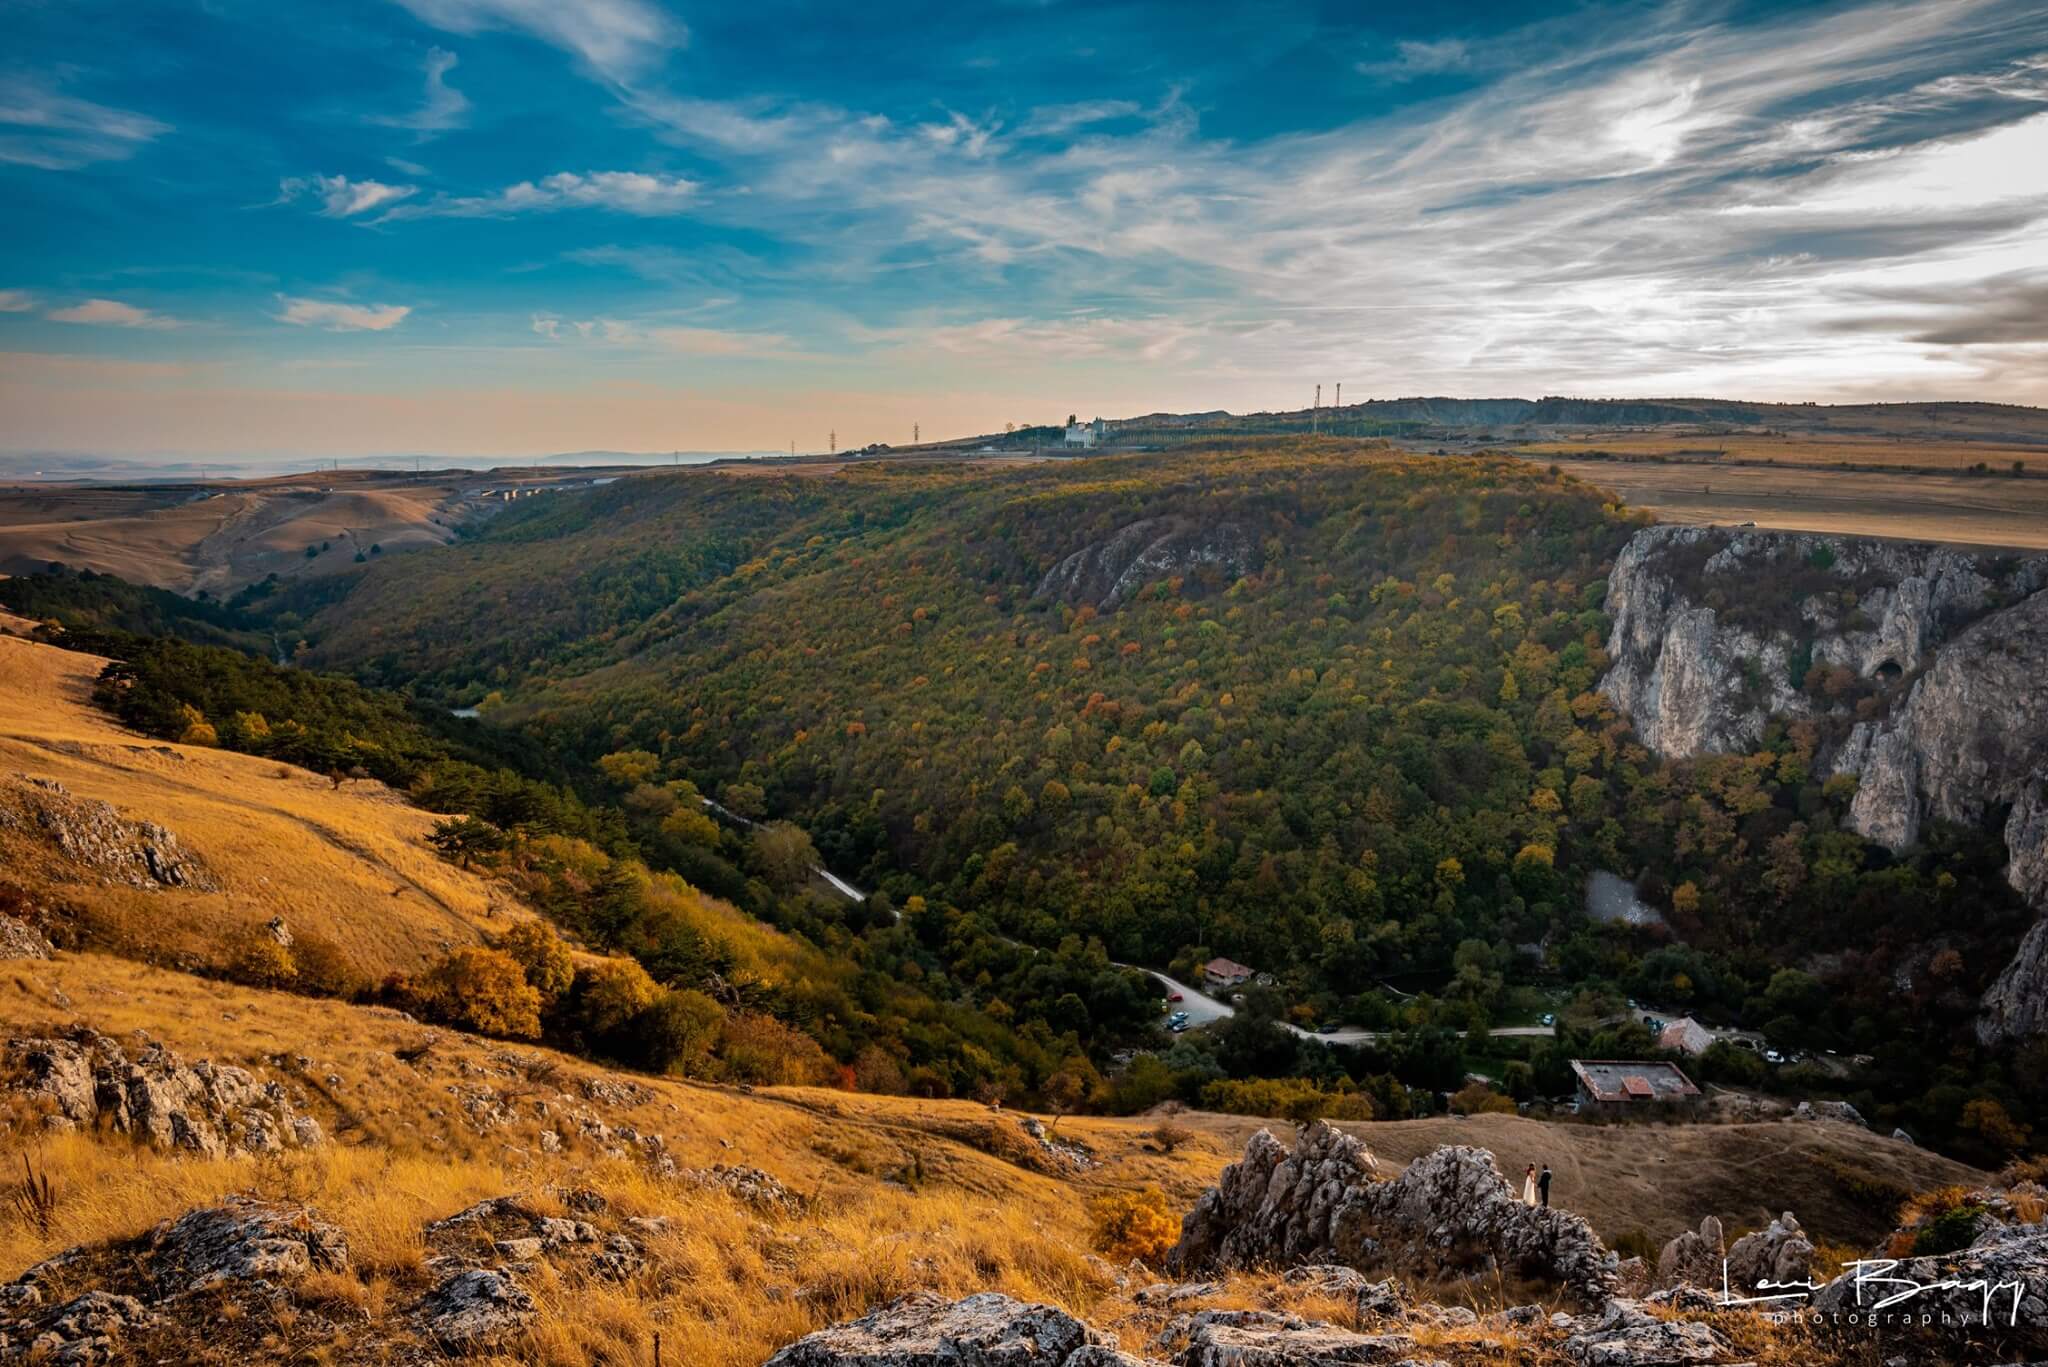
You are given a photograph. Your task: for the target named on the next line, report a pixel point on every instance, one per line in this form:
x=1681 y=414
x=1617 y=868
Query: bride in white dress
x=1529 y=1186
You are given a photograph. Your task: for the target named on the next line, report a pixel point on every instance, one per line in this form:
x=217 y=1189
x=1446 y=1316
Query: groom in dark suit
x=1543 y=1185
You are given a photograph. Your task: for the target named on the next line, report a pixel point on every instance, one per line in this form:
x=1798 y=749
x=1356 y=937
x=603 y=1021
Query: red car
x=1175 y=997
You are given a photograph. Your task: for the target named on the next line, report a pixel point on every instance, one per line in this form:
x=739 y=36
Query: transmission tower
x=832 y=441
x=916 y=434
x=1315 y=422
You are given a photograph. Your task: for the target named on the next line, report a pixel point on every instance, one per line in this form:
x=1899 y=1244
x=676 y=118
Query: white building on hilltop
x=1084 y=434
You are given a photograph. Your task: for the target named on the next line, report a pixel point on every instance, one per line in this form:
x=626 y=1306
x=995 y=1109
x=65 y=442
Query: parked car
x=1175 y=997
x=1773 y=1056
x=1327 y=1028
x=1177 y=1026
x=1548 y=1018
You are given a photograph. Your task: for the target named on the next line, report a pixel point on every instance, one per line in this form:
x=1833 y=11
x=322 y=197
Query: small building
x=1685 y=1036
x=1220 y=972
x=1081 y=434
x=1624 y=1086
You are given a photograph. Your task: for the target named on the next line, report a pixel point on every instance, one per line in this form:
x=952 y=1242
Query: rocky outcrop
x=20 y=940
x=1267 y=1338
x=1449 y=1211
x=1695 y=1257
x=750 y=1185
x=95 y=838
x=988 y=1330
x=2016 y=1006
x=1710 y=625
x=244 y=1240
x=1106 y=573
x=476 y=1310
x=1627 y=1335
x=88 y=1329
x=1277 y=1207
x=204 y=1107
x=1972 y=734
x=1993 y=1294
x=1780 y=1252
x=105 y=1297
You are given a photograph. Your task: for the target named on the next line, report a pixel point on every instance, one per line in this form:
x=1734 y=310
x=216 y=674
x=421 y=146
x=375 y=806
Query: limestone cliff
x=1714 y=631
x=1106 y=573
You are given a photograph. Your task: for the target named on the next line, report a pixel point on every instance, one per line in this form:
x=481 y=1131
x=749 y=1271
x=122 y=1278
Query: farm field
x=1960 y=510
x=1802 y=450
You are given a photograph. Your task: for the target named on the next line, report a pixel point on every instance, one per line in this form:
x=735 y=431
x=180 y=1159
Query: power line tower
x=916 y=434
x=832 y=441
x=1315 y=422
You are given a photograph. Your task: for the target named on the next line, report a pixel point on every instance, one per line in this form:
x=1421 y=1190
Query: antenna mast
x=1315 y=422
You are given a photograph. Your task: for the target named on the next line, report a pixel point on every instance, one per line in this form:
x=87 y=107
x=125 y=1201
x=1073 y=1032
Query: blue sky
x=497 y=227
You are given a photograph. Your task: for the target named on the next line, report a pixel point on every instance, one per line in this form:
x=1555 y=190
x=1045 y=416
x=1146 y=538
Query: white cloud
x=42 y=128
x=110 y=313
x=615 y=38
x=341 y=197
x=443 y=107
x=1412 y=59
x=664 y=337
x=16 y=301
x=638 y=193
x=335 y=316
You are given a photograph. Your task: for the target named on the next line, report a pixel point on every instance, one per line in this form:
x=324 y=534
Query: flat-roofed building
x=1618 y=1086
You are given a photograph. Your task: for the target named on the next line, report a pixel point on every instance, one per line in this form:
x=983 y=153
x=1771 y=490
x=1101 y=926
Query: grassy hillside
x=896 y=1195
x=351 y=864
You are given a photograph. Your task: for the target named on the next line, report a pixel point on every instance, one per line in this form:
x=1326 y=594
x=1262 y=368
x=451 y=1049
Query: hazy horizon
x=490 y=229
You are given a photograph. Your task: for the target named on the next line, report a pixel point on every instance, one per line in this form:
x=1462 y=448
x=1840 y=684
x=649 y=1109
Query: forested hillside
x=1321 y=708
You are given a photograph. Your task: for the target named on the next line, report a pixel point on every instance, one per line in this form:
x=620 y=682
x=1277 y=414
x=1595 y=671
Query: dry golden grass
x=351 y=865
x=900 y=1194
x=234 y=537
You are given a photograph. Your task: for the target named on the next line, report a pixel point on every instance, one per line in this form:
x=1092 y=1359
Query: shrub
x=481 y=989
x=677 y=1032
x=1170 y=1137
x=1949 y=1231
x=255 y=957
x=759 y=1048
x=1134 y=1225
x=542 y=956
x=609 y=994
x=1477 y=1098
x=323 y=969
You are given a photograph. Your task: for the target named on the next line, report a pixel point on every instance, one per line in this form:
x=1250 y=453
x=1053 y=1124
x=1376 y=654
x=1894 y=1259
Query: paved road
x=1204 y=1009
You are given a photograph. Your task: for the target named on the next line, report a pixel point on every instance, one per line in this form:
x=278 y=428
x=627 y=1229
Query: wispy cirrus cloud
x=111 y=313
x=16 y=301
x=665 y=337
x=616 y=39
x=442 y=108
x=41 y=126
x=341 y=197
x=643 y=194
x=340 y=316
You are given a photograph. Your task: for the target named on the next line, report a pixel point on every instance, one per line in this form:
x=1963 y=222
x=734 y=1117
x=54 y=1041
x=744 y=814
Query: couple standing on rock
x=1536 y=1189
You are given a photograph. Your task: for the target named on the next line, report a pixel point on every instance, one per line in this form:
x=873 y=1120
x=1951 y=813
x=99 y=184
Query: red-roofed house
x=1220 y=972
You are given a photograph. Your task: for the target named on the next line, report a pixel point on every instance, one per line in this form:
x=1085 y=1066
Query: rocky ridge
x=1106 y=573
x=1324 y=1202
x=89 y=1080
x=97 y=839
